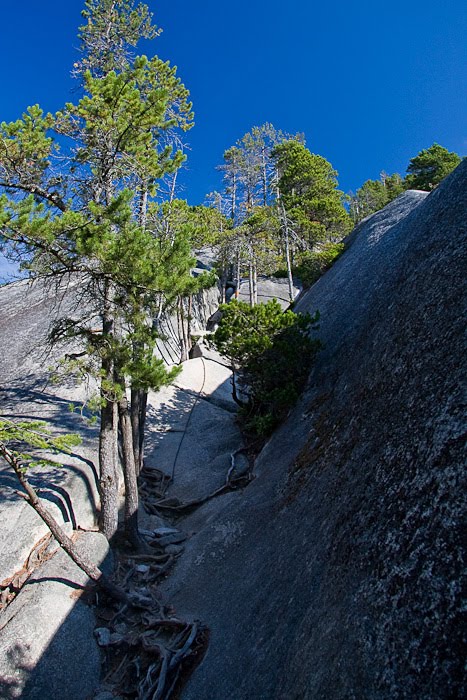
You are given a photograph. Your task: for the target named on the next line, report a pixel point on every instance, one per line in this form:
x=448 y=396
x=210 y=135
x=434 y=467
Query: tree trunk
x=143 y=206
x=255 y=283
x=129 y=473
x=287 y=253
x=108 y=433
x=250 y=283
x=139 y=401
x=85 y=564
x=235 y=396
x=238 y=277
x=234 y=198
x=188 y=322
x=182 y=331
x=222 y=285
x=264 y=176
x=108 y=481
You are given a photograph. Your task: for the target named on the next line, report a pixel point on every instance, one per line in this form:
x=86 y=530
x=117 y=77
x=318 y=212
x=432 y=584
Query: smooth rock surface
x=26 y=392
x=191 y=429
x=26 y=312
x=268 y=288
x=47 y=647
x=337 y=573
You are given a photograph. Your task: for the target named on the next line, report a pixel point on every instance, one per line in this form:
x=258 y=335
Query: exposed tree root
x=148 y=652
x=154 y=488
x=9 y=588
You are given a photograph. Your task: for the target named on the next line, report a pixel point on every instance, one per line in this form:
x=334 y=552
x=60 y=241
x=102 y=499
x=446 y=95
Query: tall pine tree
x=79 y=191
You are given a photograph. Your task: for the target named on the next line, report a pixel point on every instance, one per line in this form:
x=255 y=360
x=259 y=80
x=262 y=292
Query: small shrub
x=281 y=273
x=270 y=352
x=314 y=264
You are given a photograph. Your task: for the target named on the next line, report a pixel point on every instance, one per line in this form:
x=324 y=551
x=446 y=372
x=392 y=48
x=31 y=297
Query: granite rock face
x=26 y=392
x=337 y=573
x=47 y=647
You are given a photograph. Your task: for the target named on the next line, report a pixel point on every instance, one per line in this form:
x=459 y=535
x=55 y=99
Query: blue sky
x=370 y=84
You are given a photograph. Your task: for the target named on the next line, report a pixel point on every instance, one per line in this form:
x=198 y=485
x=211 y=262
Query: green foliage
x=425 y=172
x=80 y=188
x=199 y=225
x=308 y=188
x=112 y=28
x=393 y=184
x=373 y=195
x=249 y=172
x=313 y=264
x=80 y=199
x=25 y=438
x=271 y=353
x=429 y=167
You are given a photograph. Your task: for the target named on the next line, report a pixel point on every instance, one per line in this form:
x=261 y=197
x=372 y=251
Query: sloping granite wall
x=337 y=573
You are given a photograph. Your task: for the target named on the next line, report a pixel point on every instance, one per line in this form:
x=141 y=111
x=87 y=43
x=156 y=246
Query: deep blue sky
x=370 y=84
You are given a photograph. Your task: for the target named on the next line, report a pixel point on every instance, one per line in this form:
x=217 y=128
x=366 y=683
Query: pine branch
x=37 y=191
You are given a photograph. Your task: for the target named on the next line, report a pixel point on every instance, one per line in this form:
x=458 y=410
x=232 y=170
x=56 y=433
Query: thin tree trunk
x=129 y=473
x=182 y=332
x=264 y=177
x=143 y=206
x=255 y=283
x=173 y=186
x=234 y=198
x=108 y=433
x=188 y=322
x=142 y=426
x=139 y=396
x=287 y=252
x=135 y=412
x=235 y=397
x=139 y=402
x=250 y=283
x=238 y=278
x=222 y=284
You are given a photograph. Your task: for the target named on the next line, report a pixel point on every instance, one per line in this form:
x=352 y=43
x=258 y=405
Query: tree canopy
x=375 y=194
x=308 y=187
x=81 y=196
x=426 y=170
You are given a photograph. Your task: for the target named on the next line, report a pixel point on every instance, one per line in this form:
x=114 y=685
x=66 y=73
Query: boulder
x=268 y=288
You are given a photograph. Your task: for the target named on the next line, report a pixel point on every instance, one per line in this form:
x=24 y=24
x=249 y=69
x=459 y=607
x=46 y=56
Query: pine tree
x=251 y=187
x=373 y=195
x=308 y=189
x=78 y=198
x=426 y=170
x=270 y=354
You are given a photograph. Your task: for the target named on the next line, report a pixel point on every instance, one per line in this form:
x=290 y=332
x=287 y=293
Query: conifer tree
x=308 y=188
x=426 y=170
x=251 y=188
x=78 y=198
x=373 y=195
